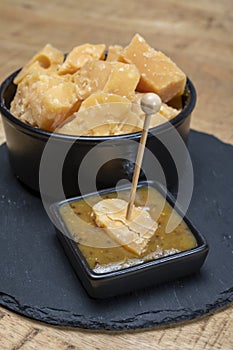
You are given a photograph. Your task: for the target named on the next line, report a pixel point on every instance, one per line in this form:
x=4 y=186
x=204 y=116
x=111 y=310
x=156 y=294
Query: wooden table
x=198 y=36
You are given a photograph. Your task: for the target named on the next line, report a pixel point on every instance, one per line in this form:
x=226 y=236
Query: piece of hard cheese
x=45 y=100
x=114 y=52
x=92 y=77
x=102 y=114
x=81 y=55
x=112 y=113
x=47 y=59
x=166 y=113
x=134 y=234
x=111 y=77
x=123 y=80
x=159 y=73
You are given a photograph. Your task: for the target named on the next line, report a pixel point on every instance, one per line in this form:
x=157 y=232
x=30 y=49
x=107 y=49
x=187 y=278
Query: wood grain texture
x=198 y=36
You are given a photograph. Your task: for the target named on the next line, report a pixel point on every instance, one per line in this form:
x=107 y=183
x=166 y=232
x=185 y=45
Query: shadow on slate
x=36 y=279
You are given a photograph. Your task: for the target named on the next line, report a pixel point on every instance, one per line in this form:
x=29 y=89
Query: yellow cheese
x=45 y=100
x=102 y=114
x=92 y=77
x=81 y=55
x=134 y=234
x=115 y=118
x=159 y=73
x=123 y=80
x=111 y=77
x=114 y=52
x=47 y=59
x=101 y=98
x=166 y=113
x=51 y=90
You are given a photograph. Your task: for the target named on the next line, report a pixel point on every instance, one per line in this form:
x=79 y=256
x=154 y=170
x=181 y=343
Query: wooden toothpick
x=150 y=104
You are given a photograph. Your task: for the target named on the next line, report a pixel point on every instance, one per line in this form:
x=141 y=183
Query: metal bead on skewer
x=150 y=104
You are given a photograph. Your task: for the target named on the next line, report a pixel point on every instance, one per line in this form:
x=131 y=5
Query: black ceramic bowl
x=102 y=285
x=26 y=144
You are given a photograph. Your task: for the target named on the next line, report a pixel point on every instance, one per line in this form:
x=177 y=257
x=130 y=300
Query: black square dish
x=141 y=275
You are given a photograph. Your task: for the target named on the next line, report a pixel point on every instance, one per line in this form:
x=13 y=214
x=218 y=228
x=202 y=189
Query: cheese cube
x=100 y=98
x=123 y=80
x=114 y=52
x=45 y=100
x=115 y=118
x=165 y=114
x=47 y=59
x=103 y=114
x=159 y=73
x=81 y=55
x=110 y=77
x=92 y=77
x=134 y=234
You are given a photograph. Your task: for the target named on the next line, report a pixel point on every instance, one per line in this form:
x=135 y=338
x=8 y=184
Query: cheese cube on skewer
x=134 y=234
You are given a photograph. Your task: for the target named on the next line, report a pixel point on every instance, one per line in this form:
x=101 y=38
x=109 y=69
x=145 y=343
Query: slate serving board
x=36 y=279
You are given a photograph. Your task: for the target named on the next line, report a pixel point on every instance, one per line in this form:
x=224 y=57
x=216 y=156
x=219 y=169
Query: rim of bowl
x=185 y=112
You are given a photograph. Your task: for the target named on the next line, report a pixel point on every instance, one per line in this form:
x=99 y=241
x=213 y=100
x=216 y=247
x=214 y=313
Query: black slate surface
x=36 y=279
